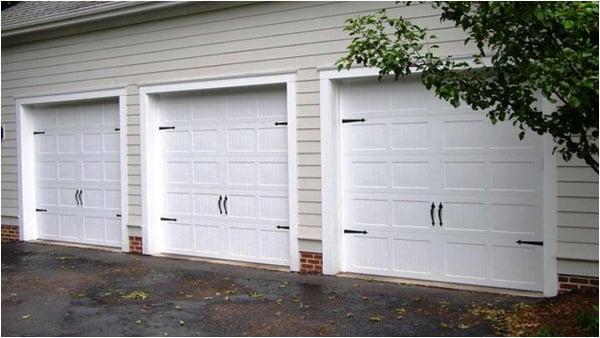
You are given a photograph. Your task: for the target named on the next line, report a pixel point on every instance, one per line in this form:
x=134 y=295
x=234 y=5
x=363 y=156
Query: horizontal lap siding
x=254 y=38
x=577 y=218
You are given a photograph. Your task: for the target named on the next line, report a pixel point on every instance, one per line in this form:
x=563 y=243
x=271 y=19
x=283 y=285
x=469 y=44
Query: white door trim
x=149 y=136
x=331 y=182
x=26 y=159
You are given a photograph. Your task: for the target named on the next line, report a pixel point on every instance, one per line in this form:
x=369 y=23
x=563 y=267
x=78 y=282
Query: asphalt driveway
x=60 y=291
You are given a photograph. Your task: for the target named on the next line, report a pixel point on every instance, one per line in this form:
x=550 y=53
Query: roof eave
x=86 y=15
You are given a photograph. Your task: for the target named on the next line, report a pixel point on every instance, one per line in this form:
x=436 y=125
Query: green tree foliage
x=524 y=50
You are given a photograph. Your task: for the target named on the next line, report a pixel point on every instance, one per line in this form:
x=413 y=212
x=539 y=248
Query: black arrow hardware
x=282 y=227
x=168 y=219
x=165 y=128
x=530 y=242
x=281 y=123
x=346 y=231
x=41 y=210
x=353 y=120
x=39 y=132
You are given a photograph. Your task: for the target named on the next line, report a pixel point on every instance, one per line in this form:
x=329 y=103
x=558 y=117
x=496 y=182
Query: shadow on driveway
x=62 y=291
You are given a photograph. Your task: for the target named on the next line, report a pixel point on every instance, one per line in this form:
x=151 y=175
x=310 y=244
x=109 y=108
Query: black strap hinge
x=282 y=227
x=530 y=242
x=118 y=215
x=39 y=132
x=346 y=231
x=353 y=120
x=117 y=129
x=41 y=210
x=168 y=219
x=165 y=128
x=281 y=123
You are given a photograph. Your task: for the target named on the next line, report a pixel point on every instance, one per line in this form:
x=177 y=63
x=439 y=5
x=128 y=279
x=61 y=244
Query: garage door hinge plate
x=346 y=231
x=165 y=128
x=530 y=242
x=353 y=120
x=118 y=215
x=39 y=132
x=168 y=219
x=117 y=129
x=41 y=210
x=280 y=123
x=282 y=227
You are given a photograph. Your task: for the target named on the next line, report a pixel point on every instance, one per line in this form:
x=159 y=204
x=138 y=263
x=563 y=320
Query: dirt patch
x=199 y=287
x=268 y=318
x=568 y=314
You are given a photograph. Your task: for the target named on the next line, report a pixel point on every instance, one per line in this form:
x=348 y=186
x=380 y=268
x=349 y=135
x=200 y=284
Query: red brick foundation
x=311 y=262
x=568 y=283
x=10 y=233
x=135 y=245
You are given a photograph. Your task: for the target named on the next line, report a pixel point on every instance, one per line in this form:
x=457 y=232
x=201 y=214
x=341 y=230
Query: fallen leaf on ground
x=181 y=322
x=376 y=318
x=349 y=314
x=463 y=326
x=25 y=316
x=139 y=321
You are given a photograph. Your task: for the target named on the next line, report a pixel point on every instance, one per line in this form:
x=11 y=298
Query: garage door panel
x=237 y=153
x=48 y=225
x=414 y=150
x=274 y=245
x=79 y=153
x=412 y=256
x=466 y=260
x=179 y=236
x=504 y=269
x=463 y=134
x=464 y=216
x=242 y=241
x=272 y=140
x=46 y=144
x=411 y=135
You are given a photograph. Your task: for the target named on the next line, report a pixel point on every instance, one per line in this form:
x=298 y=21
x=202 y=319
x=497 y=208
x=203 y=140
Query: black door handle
x=81 y=196
x=431 y=213
x=225 y=204
x=77 y=195
x=440 y=213
x=220 y=199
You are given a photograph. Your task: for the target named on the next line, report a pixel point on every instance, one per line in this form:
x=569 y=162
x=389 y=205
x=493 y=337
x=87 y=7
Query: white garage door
x=225 y=174
x=438 y=193
x=77 y=172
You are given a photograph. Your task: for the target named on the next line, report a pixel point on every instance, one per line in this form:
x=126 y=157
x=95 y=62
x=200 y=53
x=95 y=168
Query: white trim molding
x=26 y=156
x=331 y=182
x=149 y=144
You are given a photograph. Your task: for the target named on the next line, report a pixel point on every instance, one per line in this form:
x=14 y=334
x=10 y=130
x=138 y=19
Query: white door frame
x=332 y=189
x=151 y=197
x=26 y=155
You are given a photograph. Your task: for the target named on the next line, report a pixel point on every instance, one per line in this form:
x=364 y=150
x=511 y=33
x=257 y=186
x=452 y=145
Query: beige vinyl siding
x=262 y=37
x=253 y=38
x=577 y=189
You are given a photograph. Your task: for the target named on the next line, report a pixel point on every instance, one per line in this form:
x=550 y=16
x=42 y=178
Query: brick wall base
x=311 y=262
x=135 y=245
x=10 y=233
x=569 y=282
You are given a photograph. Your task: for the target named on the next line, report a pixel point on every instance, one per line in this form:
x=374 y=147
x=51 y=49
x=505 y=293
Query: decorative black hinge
x=168 y=219
x=118 y=215
x=165 y=128
x=282 y=227
x=530 y=242
x=353 y=120
x=117 y=129
x=281 y=123
x=41 y=210
x=346 y=231
x=39 y=132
